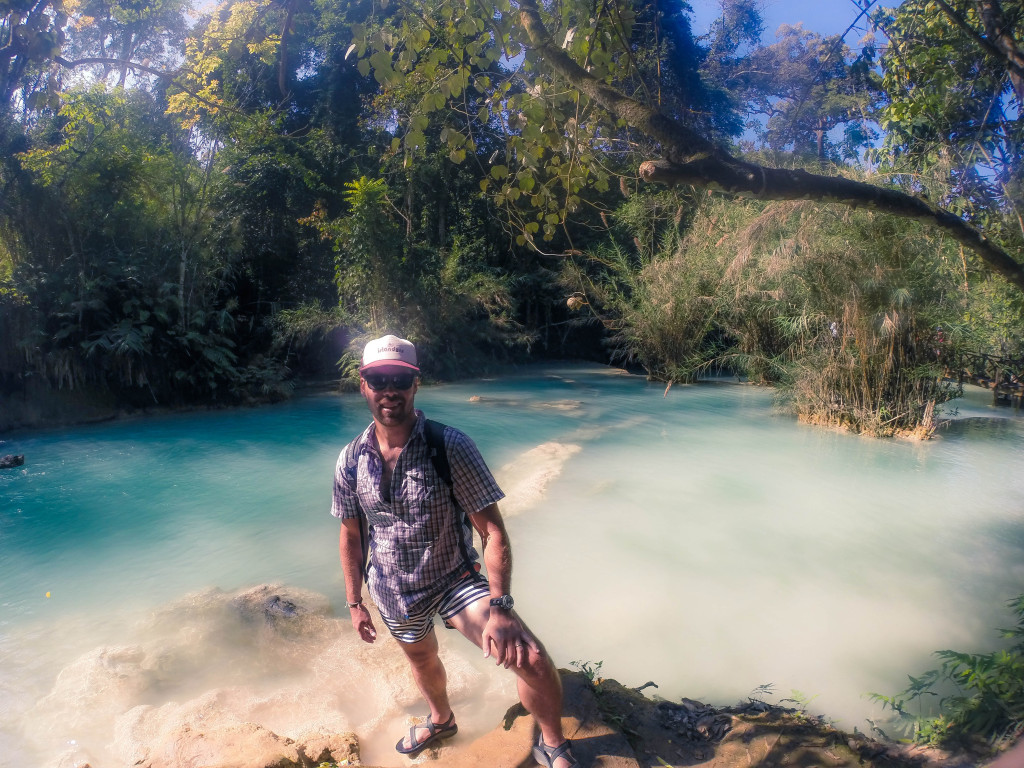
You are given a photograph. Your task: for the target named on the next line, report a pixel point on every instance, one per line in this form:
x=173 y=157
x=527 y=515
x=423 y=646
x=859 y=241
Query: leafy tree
x=40 y=39
x=954 y=106
x=31 y=35
x=106 y=289
x=803 y=87
x=115 y=34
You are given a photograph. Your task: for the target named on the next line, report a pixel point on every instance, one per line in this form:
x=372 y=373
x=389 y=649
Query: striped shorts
x=415 y=627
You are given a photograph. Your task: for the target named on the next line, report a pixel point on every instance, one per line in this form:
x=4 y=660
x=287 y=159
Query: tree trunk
x=182 y=267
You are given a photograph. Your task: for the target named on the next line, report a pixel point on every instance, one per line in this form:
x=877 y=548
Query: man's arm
x=503 y=631
x=351 y=549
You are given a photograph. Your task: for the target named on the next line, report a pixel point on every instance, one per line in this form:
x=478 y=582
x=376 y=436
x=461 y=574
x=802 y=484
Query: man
x=399 y=511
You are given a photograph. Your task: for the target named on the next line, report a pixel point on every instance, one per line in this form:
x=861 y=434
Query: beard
x=391 y=410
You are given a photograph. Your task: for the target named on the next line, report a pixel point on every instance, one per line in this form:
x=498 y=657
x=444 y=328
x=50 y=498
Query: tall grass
x=844 y=309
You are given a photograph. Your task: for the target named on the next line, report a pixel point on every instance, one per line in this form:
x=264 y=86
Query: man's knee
x=537 y=665
x=422 y=653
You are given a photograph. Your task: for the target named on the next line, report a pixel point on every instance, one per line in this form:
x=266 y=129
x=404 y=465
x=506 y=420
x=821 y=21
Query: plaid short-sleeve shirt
x=415 y=548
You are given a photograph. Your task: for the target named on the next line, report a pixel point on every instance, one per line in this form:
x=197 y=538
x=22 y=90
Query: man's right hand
x=362 y=623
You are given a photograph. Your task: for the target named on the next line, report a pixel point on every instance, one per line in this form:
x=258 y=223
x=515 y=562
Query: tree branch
x=681 y=142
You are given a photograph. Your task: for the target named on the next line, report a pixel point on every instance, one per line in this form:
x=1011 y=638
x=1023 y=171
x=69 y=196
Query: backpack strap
x=433 y=431
x=350 y=470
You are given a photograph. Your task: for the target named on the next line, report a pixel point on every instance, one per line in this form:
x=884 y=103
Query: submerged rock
x=287 y=611
x=10 y=461
x=90 y=691
x=511 y=402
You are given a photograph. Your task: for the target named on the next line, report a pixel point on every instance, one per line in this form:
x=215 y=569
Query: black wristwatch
x=505 y=602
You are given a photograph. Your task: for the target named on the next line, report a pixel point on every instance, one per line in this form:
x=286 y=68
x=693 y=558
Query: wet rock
x=11 y=461
x=245 y=745
x=271 y=628
x=594 y=742
x=510 y=402
x=693 y=720
x=337 y=748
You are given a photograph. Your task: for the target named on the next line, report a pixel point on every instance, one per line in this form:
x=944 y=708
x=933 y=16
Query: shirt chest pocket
x=426 y=500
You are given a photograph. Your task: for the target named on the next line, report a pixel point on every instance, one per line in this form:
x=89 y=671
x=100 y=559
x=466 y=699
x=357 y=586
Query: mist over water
x=698 y=539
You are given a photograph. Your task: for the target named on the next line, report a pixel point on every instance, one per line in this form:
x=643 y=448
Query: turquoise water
x=698 y=538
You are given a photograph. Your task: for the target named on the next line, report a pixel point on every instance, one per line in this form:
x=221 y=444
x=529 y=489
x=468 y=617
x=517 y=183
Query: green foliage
x=589 y=669
x=802 y=703
x=952 y=112
x=347 y=169
x=970 y=696
x=859 y=303
x=448 y=302
x=369 y=274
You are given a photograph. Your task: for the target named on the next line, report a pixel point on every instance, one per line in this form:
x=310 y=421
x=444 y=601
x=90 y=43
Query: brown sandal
x=438 y=731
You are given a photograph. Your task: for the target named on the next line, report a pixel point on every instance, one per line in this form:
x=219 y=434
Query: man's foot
x=554 y=757
x=424 y=734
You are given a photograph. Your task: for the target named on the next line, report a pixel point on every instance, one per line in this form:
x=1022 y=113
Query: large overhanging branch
x=757 y=181
x=693 y=159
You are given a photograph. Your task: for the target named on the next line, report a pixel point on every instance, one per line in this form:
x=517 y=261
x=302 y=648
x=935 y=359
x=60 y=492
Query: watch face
x=505 y=601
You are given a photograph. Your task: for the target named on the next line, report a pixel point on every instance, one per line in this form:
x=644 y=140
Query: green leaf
x=415 y=139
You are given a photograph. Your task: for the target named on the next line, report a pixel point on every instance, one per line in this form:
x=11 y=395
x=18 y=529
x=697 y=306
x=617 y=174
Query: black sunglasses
x=380 y=381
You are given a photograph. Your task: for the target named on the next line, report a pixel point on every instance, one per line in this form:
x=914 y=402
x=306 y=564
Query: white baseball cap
x=391 y=351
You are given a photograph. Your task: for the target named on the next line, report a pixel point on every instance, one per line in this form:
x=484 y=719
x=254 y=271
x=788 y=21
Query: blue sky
x=825 y=16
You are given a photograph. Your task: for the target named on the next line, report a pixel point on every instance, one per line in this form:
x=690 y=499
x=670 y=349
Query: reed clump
x=851 y=313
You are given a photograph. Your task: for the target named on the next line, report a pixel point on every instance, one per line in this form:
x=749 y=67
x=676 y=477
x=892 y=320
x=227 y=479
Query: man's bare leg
x=431 y=679
x=538 y=683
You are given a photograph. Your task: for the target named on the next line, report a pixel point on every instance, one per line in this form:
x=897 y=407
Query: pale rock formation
x=526 y=479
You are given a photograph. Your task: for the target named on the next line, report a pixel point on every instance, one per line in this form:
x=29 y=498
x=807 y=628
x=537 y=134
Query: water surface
x=698 y=538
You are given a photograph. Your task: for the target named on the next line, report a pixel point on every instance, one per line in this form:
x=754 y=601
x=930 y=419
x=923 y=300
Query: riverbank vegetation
x=207 y=205
x=970 y=697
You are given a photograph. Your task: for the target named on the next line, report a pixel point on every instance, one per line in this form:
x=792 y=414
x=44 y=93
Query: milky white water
x=701 y=540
